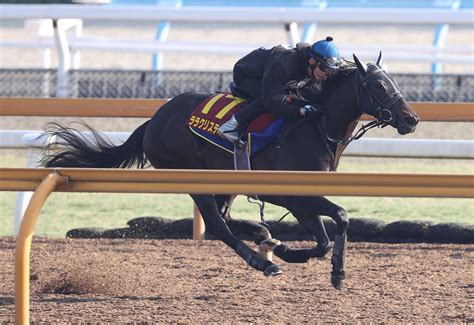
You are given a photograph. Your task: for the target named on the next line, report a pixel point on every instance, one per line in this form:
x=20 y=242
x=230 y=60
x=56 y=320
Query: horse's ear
x=379 y=60
x=361 y=66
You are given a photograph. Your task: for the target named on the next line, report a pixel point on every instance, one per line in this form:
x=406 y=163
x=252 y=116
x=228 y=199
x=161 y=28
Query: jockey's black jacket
x=280 y=77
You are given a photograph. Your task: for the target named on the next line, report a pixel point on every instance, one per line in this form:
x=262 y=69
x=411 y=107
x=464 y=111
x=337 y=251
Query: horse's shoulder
x=300 y=129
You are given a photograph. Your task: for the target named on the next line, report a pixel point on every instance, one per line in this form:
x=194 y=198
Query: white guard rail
x=365 y=147
x=392 y=53
x=368 y=147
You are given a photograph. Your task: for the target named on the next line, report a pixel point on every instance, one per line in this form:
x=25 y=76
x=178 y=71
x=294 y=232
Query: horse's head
x=380 y=97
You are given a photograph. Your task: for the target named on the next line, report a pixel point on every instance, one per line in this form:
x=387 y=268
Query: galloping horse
x=313 y=144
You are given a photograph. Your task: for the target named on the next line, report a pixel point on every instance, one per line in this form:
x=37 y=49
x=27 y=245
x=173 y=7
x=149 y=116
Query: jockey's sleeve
x=273 y=87
x=312 y=92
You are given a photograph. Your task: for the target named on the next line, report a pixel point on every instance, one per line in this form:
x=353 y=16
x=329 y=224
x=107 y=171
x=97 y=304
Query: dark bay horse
x=304 y=145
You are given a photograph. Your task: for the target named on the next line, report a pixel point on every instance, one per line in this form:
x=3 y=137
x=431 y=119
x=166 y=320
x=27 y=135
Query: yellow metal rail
x=83 y=107
x=145 y=108
x=244 y=182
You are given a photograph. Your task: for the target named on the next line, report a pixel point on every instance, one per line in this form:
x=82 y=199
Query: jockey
x=281 y=80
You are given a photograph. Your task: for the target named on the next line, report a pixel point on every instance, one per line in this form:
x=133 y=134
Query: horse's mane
x=346 y=69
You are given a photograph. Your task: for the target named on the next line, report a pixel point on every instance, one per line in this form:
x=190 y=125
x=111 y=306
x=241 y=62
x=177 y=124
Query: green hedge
x=360 y=229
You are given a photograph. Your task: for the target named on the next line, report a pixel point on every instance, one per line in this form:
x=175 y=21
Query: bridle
x=380 y=108
x=382 y=111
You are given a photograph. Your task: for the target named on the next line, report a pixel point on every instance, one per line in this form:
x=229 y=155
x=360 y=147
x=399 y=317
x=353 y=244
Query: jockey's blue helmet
x=326 y=53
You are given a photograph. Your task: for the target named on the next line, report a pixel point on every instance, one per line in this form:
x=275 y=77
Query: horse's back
x=168 y=142
x=179 y=107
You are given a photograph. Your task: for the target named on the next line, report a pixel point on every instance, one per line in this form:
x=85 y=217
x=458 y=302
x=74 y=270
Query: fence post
x=292 y=33
x=64 y=58
x=439 y=42
x=161 y=35
x=198 y=224
x=23 y=246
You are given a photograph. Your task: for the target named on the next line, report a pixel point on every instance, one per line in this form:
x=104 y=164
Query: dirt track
x=187 y=281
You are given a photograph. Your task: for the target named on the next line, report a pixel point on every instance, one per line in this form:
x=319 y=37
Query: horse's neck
x=342 y=111
x=342 y=115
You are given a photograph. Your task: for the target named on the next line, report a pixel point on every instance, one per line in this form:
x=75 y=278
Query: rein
x=362 y=130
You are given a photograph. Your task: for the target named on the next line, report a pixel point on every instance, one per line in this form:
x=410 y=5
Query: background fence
x=166 y=84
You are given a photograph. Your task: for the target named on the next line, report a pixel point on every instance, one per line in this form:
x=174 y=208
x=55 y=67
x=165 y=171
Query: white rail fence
x=235 y=15
x=60 y=27
x=365 y=147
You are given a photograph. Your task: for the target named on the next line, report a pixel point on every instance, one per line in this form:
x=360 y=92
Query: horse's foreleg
x=315 y=226
x=339 y=215
x=322 y=206
x=308 y=210
x=218 y=228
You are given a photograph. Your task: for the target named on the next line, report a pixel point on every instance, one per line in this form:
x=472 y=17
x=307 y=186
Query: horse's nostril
x=410 y=120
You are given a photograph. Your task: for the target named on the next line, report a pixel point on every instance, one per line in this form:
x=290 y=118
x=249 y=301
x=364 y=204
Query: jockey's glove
x=311 y=110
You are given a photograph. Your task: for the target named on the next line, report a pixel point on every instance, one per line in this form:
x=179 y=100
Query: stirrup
x=225 y=135
x=239 y=142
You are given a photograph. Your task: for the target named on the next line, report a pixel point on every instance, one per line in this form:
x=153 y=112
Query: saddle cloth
x=216 y=109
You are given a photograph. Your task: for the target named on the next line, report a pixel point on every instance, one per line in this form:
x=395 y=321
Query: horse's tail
x=80 y=150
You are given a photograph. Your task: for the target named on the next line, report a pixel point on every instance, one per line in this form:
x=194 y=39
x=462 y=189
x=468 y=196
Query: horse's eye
x=380 y=87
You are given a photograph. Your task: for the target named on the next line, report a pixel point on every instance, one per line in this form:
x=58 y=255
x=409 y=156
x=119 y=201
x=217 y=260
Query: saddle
x=216 y=110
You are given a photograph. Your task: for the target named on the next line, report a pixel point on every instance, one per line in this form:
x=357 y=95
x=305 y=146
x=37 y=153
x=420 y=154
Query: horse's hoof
x=272 y=270
x=337 y=281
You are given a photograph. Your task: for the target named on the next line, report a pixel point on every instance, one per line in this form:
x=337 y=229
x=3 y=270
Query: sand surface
x=188 y=281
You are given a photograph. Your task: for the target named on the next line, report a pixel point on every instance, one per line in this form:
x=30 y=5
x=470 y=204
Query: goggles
x=326 y=68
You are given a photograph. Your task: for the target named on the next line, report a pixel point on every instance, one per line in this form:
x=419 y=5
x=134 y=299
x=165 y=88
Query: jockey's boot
x=228 y=130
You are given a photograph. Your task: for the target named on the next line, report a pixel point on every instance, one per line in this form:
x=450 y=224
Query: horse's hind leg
x=239 y=228
x=217 y=227
x=224 y=204
x=308 y=211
